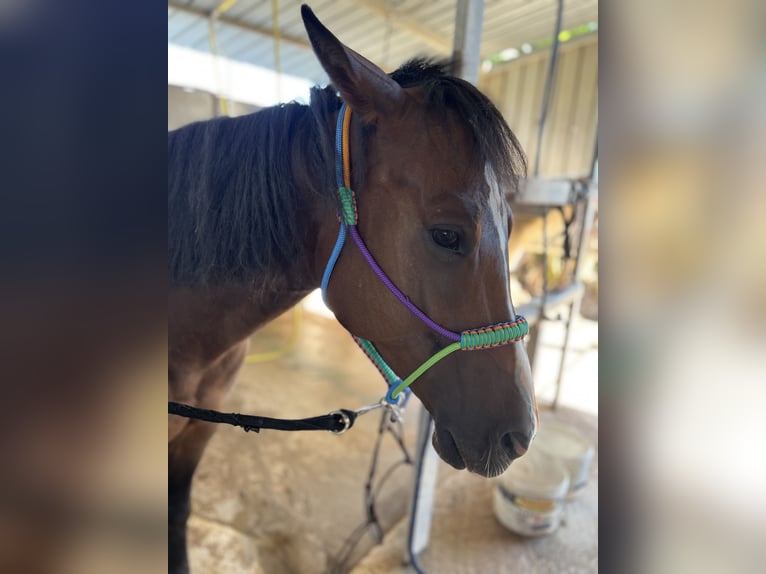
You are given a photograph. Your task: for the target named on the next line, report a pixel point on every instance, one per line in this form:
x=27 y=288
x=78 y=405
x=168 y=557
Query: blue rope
x=395 y=401
x=339 y=177
x=333 y=259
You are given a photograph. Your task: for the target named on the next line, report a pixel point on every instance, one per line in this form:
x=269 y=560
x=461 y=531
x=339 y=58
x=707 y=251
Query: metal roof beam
x=405 y=24
x=228 y=20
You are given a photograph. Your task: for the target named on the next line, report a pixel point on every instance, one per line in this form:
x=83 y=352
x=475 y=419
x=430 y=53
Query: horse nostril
x=515 y=443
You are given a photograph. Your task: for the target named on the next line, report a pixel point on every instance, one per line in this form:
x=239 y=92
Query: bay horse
x=253 y=216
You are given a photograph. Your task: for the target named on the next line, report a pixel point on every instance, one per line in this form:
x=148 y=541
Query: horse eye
x=446 y=238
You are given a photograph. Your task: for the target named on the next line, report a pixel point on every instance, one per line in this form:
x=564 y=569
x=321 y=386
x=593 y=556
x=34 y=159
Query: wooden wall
x=516 y=88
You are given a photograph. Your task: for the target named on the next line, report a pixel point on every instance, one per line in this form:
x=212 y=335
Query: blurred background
x=682 y=377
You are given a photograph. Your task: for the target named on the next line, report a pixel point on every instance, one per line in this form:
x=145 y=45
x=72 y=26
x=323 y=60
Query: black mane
x=233 y=207
x=232 y=218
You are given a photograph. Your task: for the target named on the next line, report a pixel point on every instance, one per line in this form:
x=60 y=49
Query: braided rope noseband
x=469 y=340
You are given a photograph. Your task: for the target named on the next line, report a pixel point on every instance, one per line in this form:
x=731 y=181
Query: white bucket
x=568 y=447
x=529 y=496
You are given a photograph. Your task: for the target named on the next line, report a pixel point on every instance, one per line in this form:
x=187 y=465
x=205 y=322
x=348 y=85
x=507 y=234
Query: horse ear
x=363 y=85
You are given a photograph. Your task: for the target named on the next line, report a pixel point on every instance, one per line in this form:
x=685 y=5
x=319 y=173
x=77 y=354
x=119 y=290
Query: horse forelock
x=493 y=140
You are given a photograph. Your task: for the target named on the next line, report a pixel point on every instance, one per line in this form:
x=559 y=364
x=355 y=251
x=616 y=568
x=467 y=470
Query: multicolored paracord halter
x=469 y=340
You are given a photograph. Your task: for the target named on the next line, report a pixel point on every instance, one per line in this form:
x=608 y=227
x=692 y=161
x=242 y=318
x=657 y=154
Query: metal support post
x=589 y=214
x=466 y=52
x=426 y=467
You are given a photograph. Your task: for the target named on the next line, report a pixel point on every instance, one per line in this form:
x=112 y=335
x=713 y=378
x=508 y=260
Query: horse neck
x=242 y=308
x=210 y=320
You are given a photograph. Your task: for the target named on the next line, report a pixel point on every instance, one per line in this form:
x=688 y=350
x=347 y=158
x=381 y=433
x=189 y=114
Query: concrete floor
x=278 y=503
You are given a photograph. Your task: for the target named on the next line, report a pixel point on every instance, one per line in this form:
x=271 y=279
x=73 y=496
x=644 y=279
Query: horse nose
x=516 y=443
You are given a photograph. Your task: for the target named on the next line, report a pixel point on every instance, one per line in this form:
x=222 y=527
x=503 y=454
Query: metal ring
x=389 y=399
x=346 y=422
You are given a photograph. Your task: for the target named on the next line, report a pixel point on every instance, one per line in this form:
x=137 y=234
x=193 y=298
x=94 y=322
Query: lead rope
x=468 y=340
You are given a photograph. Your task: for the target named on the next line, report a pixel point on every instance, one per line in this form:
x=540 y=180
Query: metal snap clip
x=395 y=412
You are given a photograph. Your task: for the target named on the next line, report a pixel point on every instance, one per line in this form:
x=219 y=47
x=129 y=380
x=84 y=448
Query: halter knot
x=494 y=335
x=348 y=205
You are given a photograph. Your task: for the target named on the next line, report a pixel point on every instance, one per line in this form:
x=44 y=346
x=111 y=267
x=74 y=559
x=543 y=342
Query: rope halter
x=487 y=337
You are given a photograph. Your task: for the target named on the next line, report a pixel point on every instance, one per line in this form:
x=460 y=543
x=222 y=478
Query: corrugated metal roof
x=387 y=32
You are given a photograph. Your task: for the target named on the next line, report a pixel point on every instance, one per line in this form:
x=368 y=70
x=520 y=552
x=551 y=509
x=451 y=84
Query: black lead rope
x=336 y=422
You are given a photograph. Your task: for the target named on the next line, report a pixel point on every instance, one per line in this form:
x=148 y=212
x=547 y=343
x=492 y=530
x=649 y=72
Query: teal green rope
x=424 y=367
x=374 y=356
x=348 y=205
x=470 y=340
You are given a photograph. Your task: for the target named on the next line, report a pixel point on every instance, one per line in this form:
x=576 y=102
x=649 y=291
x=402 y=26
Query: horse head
x=431 y=159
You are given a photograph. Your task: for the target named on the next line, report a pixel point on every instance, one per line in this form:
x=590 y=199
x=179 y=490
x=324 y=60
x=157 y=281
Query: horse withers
x=253 y=218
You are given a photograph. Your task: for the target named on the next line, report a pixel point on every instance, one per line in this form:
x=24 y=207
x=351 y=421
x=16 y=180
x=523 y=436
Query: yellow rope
x=290 y=344
x=225 y=5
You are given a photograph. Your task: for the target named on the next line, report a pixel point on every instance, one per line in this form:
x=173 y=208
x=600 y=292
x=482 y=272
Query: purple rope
x=399 y=295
